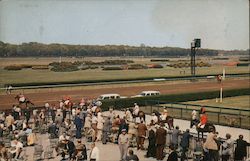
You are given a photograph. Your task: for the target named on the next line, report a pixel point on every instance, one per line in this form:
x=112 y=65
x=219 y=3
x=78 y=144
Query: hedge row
x=17 y=67
x=108 y=80
x=171 y=98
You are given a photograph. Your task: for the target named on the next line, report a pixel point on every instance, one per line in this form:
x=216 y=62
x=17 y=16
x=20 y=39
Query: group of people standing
x=69 y=124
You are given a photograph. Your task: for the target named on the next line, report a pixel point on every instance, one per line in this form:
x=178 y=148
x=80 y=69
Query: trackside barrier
x=232 y=117
x=196 y=145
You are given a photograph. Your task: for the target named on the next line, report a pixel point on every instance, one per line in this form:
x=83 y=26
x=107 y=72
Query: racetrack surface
x=175 y=88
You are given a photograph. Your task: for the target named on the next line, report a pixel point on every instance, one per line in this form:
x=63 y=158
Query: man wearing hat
x=164 y=115
x=123 y=142
x=160 y=135
x=142 y=129
x=106 y=130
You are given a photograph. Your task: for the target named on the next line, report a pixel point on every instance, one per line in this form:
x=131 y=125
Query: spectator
x=53 y=130
x=100 y=122
x=87 y=124
x=154 y=118
x=70 y=146
x=142 y=129
x=173 y=155
x=9 y=121
x=151 y=145
x=123 y=125
x=106 y=130
x=79 y=125
x=132 y=156
x=136 y=109
x=211 y=146
x=17 y=147
x=241 y=149
x=123 y=142
x=3 y=152
x=227 y=149
x=53 y=112
x=185 y=144
x=27 y=113
x=94 y=153
x=81 y=151
x=160 y=141
x=175 y=137
x=94 y=125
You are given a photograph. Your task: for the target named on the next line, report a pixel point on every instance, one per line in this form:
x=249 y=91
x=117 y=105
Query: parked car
x=147 y=93
x=109 y=96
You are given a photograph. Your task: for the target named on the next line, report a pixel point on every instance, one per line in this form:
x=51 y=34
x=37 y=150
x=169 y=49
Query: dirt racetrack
x=165 y=88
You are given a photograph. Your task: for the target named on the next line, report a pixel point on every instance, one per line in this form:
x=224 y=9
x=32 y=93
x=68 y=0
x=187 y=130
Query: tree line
x=53 y=50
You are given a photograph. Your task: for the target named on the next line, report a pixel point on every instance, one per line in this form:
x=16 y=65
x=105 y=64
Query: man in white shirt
x=136 y=109
x=154 y=118
x=194 y=119
x=164 y=115
x=16 y=148
x=123 y=142
x=94 y=153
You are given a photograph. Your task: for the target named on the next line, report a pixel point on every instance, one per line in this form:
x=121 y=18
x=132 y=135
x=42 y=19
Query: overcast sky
x=221 y=24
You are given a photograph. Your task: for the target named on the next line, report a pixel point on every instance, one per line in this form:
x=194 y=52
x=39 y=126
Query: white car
x=109 y=96
x=148 y=93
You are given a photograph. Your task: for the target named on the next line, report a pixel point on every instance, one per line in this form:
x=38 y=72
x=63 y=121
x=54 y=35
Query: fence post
x=218 y=118
x=181 y=112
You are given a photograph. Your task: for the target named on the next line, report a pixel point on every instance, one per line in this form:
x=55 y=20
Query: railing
x=218 y=115
x=196 y=145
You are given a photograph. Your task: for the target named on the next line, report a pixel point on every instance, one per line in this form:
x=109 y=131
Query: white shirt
x=17 y=146
x=61 y=138
x=93 y=108
x=94 y=153
x=136 y=109
x=194 y=114
x=94 y=120
x=155 y=119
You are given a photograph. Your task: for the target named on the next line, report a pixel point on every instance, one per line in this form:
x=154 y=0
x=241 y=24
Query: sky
x=221 y=24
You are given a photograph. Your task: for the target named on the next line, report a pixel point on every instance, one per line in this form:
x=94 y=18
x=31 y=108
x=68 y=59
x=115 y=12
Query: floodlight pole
x=192 y=64
x=196 y=43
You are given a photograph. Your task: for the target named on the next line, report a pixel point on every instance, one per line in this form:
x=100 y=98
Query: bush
x=40 y=67
x=93 y=67
x=13 y=67
x=84 y=68
x=137 y=66
x=64 y=67
x=243 y=64
x=112 y=68
x=26 y=66
x=159 y=60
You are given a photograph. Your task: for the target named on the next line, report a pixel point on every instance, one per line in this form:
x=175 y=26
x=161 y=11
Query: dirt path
x=53 y=97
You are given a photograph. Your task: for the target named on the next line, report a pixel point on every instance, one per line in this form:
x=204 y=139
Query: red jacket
x=203 y=119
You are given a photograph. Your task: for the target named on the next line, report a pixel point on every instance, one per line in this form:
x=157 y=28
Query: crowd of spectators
x=68 y=126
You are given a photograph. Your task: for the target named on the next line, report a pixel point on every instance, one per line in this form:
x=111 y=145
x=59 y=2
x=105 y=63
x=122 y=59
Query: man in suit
x=160 y=141
x=106 y=130
x=142 y=129
x=185 y=144
x=70 y=148
x=151 y=143
x=79 y=125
